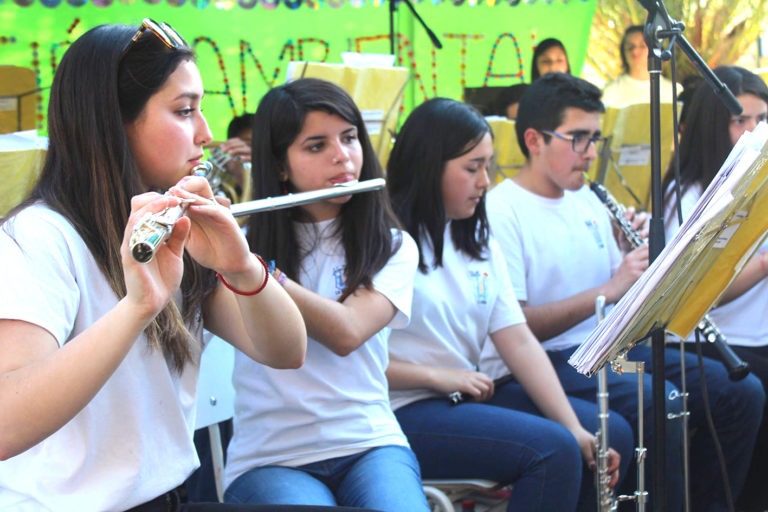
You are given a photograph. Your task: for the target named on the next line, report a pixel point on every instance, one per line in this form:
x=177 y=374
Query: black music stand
x=393 y=9
x=659 y=26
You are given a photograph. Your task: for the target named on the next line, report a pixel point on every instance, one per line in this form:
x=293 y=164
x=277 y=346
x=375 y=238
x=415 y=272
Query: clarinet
x=737 y=368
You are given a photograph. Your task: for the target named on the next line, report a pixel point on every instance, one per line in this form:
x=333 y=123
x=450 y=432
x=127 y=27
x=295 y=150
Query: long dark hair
x=706 y=142
x=365 y=220
x=628 y=32
x=90 y=173
x=438 y=130
x=543 y=46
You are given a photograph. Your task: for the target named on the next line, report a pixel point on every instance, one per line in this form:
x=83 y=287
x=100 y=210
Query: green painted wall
x=251 y=47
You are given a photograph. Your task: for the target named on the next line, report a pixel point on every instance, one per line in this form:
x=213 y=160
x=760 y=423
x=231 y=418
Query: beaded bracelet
x=263 y=284
x=278 y=274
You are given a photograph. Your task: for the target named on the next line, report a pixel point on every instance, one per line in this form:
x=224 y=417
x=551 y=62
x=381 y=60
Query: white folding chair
x=215 y=398
x=443 y=493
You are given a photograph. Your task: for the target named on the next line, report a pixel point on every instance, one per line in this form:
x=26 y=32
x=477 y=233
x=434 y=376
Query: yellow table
x=377 y=92
x=20 y=169
x=509 y=157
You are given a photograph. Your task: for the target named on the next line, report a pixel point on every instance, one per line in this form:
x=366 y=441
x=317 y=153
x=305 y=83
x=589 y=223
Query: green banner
x=243 y=47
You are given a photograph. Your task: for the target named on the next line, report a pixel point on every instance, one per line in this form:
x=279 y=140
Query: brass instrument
x=223 y=182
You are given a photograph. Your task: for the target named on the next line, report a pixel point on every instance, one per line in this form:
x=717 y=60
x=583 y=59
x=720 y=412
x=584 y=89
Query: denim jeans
x=385 y=478
x=736 y=411
x=495 y=440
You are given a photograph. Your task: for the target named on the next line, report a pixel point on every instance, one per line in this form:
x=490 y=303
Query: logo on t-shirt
x=595 y=230
x=338 y=277
x=481 y=285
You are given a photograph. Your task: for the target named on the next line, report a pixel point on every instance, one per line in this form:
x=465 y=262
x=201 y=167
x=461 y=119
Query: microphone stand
x=393 y=9
x=659 y=26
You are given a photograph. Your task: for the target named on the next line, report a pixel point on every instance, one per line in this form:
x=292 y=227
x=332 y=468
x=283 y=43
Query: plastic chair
x=443 y=493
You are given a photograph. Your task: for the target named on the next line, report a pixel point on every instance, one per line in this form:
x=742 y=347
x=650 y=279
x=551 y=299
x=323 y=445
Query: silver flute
x=607 y=501
x=291 y=200
x=154 y=228
x=737 y=368
x=605 y=498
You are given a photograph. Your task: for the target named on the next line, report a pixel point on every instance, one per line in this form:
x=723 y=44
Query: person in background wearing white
x=634 y=84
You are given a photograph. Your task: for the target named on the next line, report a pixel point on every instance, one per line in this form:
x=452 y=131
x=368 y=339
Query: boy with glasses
x=562 y=254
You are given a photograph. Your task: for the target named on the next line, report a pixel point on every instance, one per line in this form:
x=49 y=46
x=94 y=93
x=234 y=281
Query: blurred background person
x=633 y=85
x=548 y=57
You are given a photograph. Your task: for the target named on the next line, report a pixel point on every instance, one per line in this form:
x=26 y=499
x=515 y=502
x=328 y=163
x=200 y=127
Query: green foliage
x=721 y=31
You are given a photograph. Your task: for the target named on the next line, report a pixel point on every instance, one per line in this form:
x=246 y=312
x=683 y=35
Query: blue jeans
x=494 y=441
x=736 y=411
x=385 y=478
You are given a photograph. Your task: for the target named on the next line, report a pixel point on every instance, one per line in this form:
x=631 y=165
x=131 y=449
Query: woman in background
x=634 y=84
x=549 y=57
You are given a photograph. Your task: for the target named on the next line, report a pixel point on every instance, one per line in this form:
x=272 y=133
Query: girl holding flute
x=325 y=433
x=526 y=431
x=99 y=353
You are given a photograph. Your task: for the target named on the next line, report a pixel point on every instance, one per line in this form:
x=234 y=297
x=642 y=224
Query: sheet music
x=660 y=297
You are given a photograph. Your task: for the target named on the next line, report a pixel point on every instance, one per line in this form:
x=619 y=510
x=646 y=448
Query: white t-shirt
x=455 y=307
x=554 y=248
x=744 y=320
x=133 y=441
x=332 y=406
x=626 y=90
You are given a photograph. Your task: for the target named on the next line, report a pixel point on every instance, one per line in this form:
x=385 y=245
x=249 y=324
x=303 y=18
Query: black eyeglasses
x=579 y=143
x=163 y=31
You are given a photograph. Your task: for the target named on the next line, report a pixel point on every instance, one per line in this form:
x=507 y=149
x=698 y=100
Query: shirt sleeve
x=506 y=310
x=395 y=280
x=39 y=284
x=506 y=230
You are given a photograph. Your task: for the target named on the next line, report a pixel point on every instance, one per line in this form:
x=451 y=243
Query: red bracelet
x=263 y=284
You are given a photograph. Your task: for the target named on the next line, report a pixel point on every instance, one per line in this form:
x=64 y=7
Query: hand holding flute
x=213 y=239
x=154 y=229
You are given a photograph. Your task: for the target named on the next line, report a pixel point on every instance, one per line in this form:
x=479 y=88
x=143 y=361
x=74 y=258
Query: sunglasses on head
x=163 y=31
